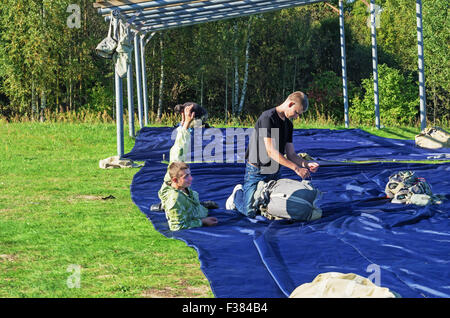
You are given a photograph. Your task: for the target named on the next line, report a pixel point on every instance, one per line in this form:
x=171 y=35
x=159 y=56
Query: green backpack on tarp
x=287 y=199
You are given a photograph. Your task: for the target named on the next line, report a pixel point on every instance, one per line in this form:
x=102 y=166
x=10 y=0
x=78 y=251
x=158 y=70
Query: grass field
x=55 y=225
x=52 y=216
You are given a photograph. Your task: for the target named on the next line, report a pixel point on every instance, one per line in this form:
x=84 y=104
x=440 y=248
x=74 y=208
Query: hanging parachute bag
x=108 y=45
x=122 y=57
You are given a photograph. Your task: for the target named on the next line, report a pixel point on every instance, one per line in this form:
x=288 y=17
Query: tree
x=399 y=100
x=436 y=25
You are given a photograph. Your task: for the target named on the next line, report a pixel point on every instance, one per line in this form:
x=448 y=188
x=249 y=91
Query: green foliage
x=325 y=94
x=42 y=59
x=436 y=31
x=100 y=98
x=398 y=99
x=45 y=63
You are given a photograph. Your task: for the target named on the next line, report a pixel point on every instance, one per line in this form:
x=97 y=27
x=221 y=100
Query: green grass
x=50 y=218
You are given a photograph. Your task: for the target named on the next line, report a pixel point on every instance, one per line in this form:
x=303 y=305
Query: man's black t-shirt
x=269 y=124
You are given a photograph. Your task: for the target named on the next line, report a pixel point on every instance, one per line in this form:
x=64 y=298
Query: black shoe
x=210 y=204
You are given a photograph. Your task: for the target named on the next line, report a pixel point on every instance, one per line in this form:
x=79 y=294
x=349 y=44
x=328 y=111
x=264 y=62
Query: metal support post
x=422 y=95
x=137 y=59
x=119 y=114
x=144 y=79
x=343 y=62
x=374 y=63
x=130 y=100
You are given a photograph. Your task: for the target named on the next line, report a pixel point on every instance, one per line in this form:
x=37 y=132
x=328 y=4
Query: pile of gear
x=406 y=187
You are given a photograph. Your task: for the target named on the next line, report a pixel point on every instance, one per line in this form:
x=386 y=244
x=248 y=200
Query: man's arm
x=296 y=166
x=294 y=157
x=274 y=154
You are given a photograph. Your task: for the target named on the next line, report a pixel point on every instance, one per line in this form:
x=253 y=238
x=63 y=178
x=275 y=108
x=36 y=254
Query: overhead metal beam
x=223 y=8
x=142 y=5
x=224 y=11
x=115 y=3
x=197 y=7
x=136 y=26
x=229 y=15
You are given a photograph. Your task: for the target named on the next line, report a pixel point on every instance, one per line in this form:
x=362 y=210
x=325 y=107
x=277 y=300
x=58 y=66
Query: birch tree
x=247 y=58
x=161 y=81
x=238 y=98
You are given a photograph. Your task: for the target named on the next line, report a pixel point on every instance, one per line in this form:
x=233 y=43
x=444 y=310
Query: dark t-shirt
x=269 y=124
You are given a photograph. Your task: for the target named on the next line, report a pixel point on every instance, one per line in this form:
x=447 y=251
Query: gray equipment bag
x=108 y=45
x=288 y=199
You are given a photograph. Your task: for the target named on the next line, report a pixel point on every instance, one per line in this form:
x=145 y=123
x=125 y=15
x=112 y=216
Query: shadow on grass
x=403 y=133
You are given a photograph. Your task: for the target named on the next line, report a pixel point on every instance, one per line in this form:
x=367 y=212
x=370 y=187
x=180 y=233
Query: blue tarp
x=153 y=144
x=403 y=247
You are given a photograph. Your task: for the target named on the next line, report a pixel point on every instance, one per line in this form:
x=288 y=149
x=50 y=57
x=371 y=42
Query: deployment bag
x=433 y=138
x=288 y=199
x=108 y=45
x=122 y=58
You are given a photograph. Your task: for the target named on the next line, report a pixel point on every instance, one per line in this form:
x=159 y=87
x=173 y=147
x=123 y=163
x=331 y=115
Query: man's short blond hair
x=301 y=98
x=176 y=168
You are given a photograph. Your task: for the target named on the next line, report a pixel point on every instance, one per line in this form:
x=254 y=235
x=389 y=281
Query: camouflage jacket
x=183 y=210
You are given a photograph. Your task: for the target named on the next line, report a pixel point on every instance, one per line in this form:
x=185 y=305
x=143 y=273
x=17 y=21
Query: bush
x=101 y=99
x=398 y=99
x=325 y=95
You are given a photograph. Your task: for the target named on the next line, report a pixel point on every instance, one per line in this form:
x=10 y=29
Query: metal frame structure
x=147 y=17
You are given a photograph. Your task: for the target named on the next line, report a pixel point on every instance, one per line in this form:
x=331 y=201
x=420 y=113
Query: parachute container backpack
x=288 y=199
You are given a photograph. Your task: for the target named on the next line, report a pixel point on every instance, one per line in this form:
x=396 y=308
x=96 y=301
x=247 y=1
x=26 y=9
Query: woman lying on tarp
x=180 y=203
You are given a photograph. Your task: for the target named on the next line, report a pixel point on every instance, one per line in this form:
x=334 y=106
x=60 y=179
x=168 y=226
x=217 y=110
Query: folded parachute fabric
x=433 y=138
x=116 y=162
x=339 y=285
